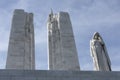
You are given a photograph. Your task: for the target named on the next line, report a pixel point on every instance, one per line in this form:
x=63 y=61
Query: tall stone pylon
x=21 y=54
x=61 y=44
x=99 y=53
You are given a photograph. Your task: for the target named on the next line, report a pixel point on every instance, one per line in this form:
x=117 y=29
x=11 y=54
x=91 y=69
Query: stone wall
x=57 y=75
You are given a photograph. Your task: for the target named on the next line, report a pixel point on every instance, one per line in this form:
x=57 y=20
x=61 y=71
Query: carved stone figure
x=99 y=53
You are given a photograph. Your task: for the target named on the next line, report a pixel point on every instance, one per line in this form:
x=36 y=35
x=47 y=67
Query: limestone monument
x=61 y=44
x=21 y=53
x=63 y=58
x=99 y=53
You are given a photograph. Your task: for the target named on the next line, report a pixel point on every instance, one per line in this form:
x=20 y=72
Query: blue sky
x=87 y=17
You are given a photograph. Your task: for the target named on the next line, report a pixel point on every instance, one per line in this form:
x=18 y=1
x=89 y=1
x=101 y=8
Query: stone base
x=57 y=75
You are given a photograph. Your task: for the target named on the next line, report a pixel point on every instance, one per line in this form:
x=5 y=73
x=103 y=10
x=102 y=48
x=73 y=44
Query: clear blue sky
x=87 y=17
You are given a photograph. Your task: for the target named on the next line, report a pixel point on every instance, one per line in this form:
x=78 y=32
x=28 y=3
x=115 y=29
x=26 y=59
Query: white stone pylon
x=21 y=54
x=99 y=53
x=61 y=44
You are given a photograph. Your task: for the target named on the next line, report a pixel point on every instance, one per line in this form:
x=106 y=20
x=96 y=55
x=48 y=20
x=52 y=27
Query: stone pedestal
x=57 y=75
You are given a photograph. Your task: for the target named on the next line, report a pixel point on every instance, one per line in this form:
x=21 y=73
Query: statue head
x=96 y=36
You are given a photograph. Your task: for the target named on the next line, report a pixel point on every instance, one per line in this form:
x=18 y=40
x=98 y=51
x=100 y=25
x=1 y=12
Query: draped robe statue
x=99 y=53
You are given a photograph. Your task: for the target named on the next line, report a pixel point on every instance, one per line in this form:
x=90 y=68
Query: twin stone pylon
x=21 y=54
x=62 y=49
x=61 y=44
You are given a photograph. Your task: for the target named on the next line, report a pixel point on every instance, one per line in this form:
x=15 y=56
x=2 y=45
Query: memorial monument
x=21 y=54
x=61 y=44
x=99 y=53
x=63 y=59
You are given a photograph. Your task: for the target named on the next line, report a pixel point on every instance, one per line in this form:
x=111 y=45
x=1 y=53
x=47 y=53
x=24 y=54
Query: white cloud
x=2 y=59
x=4 y=27
x=87 y=66
x=21 y=4
x=40 y=36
